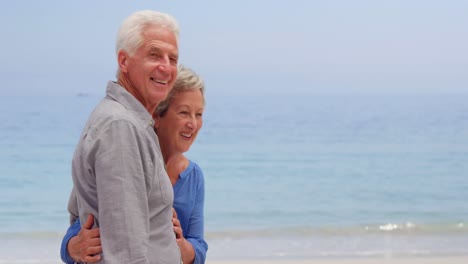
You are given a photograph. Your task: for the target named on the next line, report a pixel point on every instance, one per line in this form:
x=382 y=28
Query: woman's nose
x=192 y=123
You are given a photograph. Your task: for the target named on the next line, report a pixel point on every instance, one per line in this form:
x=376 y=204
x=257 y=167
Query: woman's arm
x=186 y=248
x=71 y=232
x=195 y=231
x=81 y=244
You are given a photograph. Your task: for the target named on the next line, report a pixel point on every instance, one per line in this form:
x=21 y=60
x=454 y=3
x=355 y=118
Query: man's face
x=152 y=70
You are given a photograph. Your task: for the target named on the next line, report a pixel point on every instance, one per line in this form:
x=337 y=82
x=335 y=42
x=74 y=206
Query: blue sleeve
x=72 y=231
x=195 y=232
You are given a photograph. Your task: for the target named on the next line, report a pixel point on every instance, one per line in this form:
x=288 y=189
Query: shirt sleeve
x=195 y=232
x=123 y=215
x=73 y=207
x=72 y=231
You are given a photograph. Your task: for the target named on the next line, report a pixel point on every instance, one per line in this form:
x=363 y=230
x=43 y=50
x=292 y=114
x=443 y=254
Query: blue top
x=189 y=199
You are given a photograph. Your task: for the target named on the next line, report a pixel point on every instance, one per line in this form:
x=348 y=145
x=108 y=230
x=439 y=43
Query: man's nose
x=165 y=65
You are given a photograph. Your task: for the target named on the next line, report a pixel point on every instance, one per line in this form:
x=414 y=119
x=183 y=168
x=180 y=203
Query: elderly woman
x=178 y=120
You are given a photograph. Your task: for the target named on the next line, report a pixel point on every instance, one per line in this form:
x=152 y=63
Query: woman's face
x=179 y=127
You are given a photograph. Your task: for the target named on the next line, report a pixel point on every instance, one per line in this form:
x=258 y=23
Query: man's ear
x=122 y=59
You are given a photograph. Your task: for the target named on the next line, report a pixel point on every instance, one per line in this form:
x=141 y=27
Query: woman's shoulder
x=194 y=171
x=194 y=165
x=176 y=165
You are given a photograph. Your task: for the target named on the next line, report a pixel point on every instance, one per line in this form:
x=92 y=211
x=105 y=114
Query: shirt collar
x=121 y=95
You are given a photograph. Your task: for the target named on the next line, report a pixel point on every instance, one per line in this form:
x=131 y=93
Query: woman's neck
x=175 y=165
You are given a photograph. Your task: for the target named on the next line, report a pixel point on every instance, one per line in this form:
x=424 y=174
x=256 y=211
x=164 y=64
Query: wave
x=407 y=228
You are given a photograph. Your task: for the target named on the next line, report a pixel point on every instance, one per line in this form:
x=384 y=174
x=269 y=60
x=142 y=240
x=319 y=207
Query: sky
x=242 y=47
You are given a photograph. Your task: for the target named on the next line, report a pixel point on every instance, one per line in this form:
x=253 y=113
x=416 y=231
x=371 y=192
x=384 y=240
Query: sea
x=287 y=176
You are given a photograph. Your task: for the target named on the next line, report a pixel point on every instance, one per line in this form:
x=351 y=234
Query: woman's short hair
x=187 y=80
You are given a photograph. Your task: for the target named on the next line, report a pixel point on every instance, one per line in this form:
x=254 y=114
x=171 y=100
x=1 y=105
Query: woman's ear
x=157 y=121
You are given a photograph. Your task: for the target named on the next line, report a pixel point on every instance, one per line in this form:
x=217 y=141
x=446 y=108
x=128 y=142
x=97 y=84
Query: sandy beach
x=432 y=260
x=45 y=250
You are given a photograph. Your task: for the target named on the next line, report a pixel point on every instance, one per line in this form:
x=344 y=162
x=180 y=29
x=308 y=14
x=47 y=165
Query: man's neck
x=126 y=84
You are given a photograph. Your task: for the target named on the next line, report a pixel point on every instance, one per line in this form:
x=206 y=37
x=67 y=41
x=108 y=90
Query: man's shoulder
x=109 y=112
x=109 y=107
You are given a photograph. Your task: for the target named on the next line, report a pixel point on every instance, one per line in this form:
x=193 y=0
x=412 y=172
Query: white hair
x=129 y=37
x=187 y=80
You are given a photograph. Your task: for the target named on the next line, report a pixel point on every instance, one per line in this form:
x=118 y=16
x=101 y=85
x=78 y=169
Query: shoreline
x=44 y=248
x=395 y=260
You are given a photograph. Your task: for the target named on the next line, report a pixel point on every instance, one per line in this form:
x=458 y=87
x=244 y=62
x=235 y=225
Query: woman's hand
x=188 y=253
x=177 y=229
x=86 y=246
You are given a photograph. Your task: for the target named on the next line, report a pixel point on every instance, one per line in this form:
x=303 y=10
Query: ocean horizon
x=288 y=176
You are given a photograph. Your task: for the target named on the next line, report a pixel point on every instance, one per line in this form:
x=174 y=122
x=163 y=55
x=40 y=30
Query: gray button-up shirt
x=119 y=177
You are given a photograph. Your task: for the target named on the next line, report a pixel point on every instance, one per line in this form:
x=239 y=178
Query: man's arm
x=122 y=195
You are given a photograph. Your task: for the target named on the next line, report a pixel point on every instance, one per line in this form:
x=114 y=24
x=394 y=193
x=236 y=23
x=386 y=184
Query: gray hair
x=187 y=80
x=129 y=37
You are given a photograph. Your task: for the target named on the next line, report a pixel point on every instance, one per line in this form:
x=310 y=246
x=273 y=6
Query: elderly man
x=118 y=170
